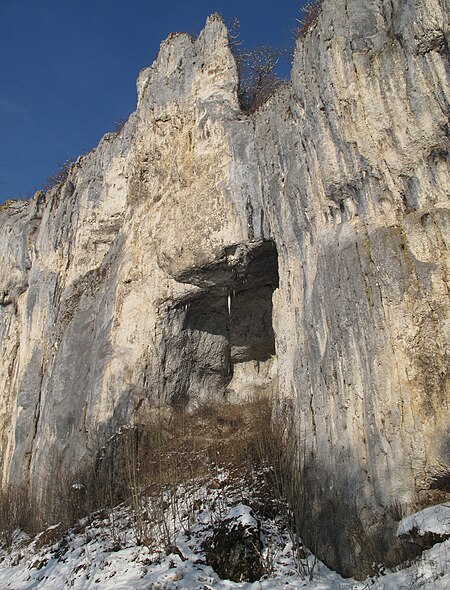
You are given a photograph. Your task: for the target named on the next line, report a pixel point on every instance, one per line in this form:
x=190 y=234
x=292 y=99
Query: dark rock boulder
x=234 y=550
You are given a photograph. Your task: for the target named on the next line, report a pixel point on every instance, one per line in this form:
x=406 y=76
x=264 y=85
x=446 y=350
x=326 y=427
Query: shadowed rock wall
x=152 y=272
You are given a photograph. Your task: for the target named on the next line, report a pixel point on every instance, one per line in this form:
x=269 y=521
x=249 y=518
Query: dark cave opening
x=224 y=330
x=243 y=318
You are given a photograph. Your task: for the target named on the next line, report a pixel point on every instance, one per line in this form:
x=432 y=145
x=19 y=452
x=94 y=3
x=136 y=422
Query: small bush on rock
x=258 y=78
x=60 y=175
x=308 y=20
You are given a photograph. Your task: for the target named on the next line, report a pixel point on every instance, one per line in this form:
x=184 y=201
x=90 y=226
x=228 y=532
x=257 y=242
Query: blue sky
x=68 y=70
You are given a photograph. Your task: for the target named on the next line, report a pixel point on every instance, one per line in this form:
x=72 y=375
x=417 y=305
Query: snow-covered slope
x=101 y=551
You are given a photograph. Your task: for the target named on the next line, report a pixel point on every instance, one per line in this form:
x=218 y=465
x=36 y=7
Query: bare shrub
x=177 y=449
x=308 y=19
x=148 y=466
x=258 y=78
x=60 y=175
x=171 y=450
x=64 y=502
x=185 y=448
x=15 y=513
x=119 y=125
x=289 y=493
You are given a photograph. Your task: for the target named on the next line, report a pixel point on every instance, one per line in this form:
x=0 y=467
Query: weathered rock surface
x=203 y=252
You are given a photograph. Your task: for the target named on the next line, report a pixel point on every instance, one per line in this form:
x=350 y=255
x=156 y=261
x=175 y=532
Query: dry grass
x=167 y=450
x=15 y=512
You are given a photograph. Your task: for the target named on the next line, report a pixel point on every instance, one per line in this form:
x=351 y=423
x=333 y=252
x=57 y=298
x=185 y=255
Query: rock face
x=202 y=252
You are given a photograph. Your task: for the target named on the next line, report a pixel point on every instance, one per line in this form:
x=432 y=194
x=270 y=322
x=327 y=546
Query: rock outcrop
x=203 y=252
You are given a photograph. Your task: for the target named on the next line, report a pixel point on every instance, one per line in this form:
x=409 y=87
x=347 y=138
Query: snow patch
x=101 y=553
x=242 y=515
x=435 y=519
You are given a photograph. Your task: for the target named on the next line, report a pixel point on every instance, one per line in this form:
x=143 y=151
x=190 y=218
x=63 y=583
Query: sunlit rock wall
x=355 y=185
x=203 y=253
x=90 y=296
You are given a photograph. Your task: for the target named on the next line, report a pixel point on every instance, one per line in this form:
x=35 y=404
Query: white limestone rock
x=322 y=218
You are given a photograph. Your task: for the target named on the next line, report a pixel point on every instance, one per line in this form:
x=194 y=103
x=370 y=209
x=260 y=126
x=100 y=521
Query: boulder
x=234 y=550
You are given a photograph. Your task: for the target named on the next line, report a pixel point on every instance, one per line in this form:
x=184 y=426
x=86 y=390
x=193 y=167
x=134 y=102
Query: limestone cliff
x=202 y=252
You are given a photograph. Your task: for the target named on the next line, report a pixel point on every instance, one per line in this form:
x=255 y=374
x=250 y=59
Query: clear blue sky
x=68 y=69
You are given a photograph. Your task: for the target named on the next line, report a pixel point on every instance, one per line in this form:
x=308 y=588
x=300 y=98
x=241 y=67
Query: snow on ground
x=101 y=552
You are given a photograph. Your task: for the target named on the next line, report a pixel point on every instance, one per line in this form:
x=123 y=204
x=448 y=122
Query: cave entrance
x=226 y=341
